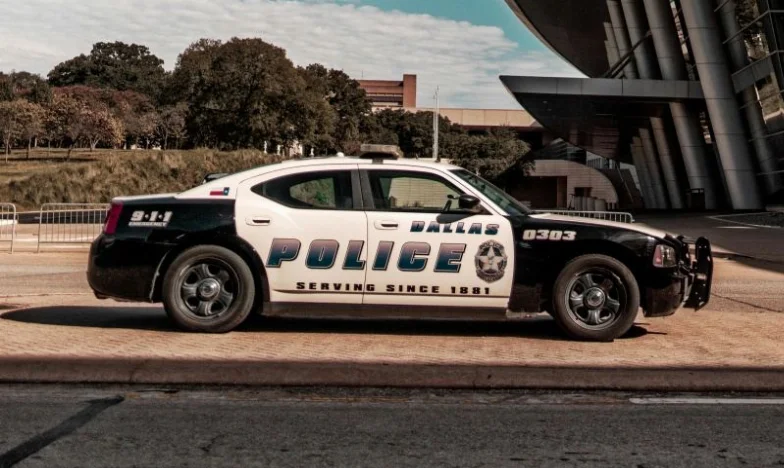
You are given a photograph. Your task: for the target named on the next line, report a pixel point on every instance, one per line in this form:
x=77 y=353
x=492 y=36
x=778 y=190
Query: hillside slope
x=125 y=173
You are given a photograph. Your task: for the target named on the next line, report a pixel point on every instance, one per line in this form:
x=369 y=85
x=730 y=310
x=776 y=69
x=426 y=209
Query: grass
x=99 y=176
x=18 y=167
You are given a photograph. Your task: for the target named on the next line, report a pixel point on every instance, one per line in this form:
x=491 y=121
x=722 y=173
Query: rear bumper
x=688 y=287
x=121 y=269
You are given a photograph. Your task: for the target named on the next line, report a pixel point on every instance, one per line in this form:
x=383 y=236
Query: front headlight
x=664 y=257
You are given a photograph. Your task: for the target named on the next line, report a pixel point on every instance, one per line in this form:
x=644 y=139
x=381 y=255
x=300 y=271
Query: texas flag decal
x=220 y=193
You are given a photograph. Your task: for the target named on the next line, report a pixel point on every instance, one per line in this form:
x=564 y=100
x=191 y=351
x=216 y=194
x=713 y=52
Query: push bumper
x=700 y=276
x=689 y=286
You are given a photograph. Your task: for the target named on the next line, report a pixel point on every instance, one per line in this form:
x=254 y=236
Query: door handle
x=258 y=221
x=387 y=225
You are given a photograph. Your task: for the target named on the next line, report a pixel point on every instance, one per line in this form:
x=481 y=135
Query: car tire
x=208 y=289
x=596 y=298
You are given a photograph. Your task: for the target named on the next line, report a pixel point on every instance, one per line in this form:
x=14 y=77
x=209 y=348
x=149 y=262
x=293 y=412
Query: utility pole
x=435 y=130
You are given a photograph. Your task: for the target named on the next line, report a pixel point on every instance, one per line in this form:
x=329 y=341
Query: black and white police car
x=381 y=237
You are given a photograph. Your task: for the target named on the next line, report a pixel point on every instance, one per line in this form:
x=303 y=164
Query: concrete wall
x=485 y=117
x=578 y=175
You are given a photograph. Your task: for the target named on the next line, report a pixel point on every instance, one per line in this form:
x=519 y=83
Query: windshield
x=504 y=201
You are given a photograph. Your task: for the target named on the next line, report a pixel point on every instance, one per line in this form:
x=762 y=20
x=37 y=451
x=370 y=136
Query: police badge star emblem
x=491 y=261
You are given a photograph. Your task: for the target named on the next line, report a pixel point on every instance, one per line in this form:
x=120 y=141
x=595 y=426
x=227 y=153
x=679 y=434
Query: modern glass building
x=689 y=91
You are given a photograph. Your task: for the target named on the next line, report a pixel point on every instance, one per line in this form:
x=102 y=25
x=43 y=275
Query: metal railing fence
x=617 y=216
x=8 y=220
x=70 y=223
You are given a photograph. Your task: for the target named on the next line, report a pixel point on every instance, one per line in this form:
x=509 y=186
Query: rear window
x=330 y=190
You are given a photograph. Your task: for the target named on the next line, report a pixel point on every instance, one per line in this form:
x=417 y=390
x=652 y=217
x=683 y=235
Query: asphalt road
x=50 y=427
x=724 y=233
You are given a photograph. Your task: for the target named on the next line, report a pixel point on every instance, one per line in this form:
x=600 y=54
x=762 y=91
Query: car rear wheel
x=596 y=298
x=208 y=289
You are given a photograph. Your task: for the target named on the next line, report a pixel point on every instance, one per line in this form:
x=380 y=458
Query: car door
x=423 y=255
x=308 y=226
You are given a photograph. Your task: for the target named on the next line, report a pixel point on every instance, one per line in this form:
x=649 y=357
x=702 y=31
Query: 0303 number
x=548 y=235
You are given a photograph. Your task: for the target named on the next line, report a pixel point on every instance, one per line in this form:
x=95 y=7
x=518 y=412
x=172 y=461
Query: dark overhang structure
x=599 y=115
x=573 y=29
x=637 y=105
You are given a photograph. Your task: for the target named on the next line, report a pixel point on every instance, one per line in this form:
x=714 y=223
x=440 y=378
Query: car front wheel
x=208 y=289
x=596 y=298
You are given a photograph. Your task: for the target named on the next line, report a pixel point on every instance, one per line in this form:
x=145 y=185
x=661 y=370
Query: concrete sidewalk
x=81 y=341
x=53 y=330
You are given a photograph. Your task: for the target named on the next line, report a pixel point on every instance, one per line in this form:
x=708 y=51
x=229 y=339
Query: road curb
x=57 y=369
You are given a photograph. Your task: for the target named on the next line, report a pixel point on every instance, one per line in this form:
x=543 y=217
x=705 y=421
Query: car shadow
x=155 y=319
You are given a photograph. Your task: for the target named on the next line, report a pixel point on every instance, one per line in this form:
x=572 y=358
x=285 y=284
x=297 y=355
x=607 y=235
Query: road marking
x=707 y=401
x=721 y=218
x=40 y=441
x=737 y=227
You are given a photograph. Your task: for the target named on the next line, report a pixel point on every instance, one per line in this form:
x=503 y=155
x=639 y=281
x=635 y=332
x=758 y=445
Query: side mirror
x=468 y=202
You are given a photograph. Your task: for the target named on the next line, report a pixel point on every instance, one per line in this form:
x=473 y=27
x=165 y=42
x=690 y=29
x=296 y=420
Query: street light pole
x=435 y=130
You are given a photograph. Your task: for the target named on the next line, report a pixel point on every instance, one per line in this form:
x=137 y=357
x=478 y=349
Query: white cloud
x=465 y=60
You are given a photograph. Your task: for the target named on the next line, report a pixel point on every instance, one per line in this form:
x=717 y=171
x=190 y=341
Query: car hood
x=641 y=228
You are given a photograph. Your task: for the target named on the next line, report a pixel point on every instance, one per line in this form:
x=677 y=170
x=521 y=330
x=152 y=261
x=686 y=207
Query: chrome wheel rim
x=596 y=299
x=208 y=289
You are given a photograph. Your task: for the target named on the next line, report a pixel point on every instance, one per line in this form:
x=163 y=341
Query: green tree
x=412 y=131
x=494 y=155
x=10 y=124
x=251 y=93
x=172 y=124
x=31 y=87
x=321 y=134
x=31 y=121
x=134 y=110
x=55 y=119
x=64 y=119
x=192 y=65
x=19 y=119
x=6 y=88
x=144 y=127
x=114 y=65
x=348 y=102
x=98 y=125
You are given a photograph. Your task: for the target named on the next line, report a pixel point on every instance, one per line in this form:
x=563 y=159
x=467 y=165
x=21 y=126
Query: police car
x=382 y=237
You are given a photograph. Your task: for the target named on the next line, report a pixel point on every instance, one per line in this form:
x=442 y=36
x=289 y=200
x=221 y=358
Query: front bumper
x=689 y=286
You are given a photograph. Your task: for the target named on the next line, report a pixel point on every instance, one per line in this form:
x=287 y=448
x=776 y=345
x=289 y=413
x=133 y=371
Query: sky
x=461 y=46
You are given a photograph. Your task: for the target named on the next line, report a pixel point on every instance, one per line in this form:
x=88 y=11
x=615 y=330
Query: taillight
x=112 y=218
